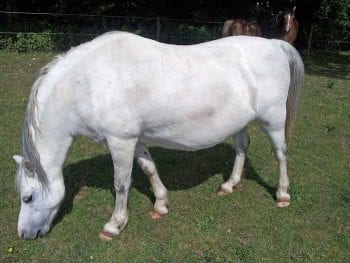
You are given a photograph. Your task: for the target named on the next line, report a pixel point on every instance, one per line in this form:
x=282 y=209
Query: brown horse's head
x=289 y=17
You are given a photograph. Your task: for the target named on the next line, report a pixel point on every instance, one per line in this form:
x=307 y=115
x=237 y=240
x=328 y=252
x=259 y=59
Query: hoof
x=222 y=192
x=155 y=215
x=283 y=202
x=105 y=236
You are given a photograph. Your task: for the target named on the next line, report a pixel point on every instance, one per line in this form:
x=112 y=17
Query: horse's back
x=184 y=97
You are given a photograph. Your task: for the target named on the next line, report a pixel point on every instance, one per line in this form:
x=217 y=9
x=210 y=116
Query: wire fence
x=29 y=31
x=61 y=31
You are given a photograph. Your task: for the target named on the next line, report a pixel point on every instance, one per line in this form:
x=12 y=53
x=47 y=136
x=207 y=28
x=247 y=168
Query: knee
x=120 y=189
x=121 y=186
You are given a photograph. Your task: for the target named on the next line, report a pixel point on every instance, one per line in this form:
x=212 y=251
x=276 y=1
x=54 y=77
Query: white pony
x=126 y=91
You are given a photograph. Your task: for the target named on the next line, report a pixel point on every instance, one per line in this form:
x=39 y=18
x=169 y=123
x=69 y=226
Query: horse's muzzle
x=32 y=234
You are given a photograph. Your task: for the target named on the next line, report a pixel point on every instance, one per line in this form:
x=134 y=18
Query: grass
x=243 y=227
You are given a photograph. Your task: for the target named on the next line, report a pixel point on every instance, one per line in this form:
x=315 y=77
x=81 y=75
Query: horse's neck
x=293 y=32
x=52 y=151
x=51 y=139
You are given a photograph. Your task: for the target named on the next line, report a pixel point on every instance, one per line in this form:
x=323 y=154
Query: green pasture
x=201 y=227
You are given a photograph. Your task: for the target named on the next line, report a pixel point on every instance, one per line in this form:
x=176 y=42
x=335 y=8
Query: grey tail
x=296 y=66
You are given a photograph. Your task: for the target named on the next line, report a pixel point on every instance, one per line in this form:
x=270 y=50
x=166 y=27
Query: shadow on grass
x=329 y=64
x=178 y=171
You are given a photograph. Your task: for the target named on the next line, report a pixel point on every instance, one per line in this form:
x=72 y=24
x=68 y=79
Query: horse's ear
x=18 y=159
x=28 y=166
x=294 y=8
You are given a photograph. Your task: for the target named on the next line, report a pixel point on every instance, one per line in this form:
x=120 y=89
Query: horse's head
x=39 y=204
x=289 y=17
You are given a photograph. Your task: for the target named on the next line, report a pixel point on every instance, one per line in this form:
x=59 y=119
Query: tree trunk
x=309 y=42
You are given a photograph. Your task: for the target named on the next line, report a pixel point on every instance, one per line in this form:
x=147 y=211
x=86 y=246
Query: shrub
x=29 y=42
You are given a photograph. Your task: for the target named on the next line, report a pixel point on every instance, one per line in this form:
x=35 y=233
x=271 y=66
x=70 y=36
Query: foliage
x=185 y=29
x=29 y=42
x=332 y=23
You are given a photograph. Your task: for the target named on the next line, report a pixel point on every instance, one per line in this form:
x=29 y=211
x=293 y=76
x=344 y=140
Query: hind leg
x=277 y=137
x=145 y=161
x=242 y=142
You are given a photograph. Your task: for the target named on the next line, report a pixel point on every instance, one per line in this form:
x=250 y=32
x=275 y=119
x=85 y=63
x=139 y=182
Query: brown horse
x=235 y=27
x=289 y=31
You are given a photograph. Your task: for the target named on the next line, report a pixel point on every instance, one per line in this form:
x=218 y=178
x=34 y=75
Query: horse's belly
x=186 y=143
x=198 y=131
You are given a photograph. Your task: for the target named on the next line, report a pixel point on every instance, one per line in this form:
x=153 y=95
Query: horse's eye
x=27 y=199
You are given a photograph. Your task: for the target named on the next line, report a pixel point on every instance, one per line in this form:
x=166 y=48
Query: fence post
x=158 y=28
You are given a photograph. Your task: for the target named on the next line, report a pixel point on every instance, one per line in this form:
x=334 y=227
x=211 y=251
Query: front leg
x=122 y=151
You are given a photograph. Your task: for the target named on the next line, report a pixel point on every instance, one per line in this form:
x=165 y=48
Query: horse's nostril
x=22 y=235
x=39 y=234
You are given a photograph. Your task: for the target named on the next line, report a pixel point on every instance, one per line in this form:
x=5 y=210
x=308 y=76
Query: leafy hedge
x=29 y=42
